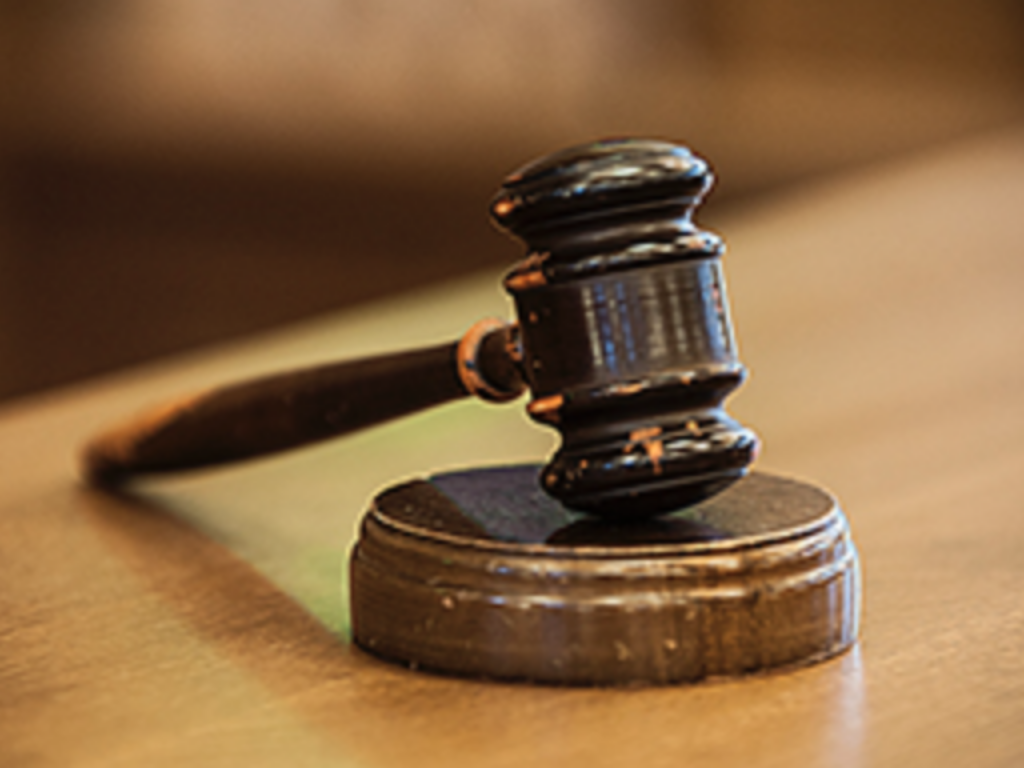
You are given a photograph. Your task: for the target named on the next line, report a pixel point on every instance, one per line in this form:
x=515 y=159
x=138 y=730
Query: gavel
x=623 y=339
x=687 y=567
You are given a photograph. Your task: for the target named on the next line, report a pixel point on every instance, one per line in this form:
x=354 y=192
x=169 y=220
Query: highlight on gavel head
x=627 y=344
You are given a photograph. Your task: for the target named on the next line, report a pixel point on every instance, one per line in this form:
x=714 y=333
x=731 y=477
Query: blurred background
x=179 y=172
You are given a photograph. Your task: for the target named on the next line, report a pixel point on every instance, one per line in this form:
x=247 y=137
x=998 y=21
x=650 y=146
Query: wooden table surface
x=203 y=622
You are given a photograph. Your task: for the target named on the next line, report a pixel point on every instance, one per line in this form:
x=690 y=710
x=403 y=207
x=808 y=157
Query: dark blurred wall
x=176 y=172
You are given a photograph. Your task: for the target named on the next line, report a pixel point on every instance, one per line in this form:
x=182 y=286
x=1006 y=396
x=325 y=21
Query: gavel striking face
x=623 y=338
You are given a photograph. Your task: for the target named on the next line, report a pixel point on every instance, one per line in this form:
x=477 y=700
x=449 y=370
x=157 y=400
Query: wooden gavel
x=623 y=339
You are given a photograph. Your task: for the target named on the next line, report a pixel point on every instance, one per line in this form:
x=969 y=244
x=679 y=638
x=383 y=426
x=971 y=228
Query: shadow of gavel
x=623 y=339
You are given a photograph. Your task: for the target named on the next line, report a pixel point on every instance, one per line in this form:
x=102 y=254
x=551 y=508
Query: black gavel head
x=627 y=344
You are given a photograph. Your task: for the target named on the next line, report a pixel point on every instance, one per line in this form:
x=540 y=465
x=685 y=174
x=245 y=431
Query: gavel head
x=627 y=344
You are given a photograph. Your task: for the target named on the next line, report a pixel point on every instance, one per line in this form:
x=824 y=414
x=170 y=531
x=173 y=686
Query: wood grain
x=202 y=623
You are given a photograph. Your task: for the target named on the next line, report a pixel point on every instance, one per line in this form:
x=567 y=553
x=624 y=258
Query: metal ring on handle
x=468 y=362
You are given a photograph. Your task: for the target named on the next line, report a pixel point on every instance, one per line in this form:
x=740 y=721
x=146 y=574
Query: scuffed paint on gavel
x=624 y=340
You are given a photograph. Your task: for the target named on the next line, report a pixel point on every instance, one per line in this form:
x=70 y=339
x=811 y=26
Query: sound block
x=480 y=573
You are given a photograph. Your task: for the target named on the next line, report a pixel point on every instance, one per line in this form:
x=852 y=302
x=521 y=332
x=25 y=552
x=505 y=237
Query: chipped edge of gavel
x=623 y=339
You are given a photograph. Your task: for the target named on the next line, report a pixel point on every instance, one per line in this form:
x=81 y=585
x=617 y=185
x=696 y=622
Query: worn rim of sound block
x=498 y=581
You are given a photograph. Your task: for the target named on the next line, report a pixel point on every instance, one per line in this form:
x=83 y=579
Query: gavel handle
x=287 y=410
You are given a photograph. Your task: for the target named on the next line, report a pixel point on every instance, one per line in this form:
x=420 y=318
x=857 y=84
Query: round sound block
x=480 y=573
